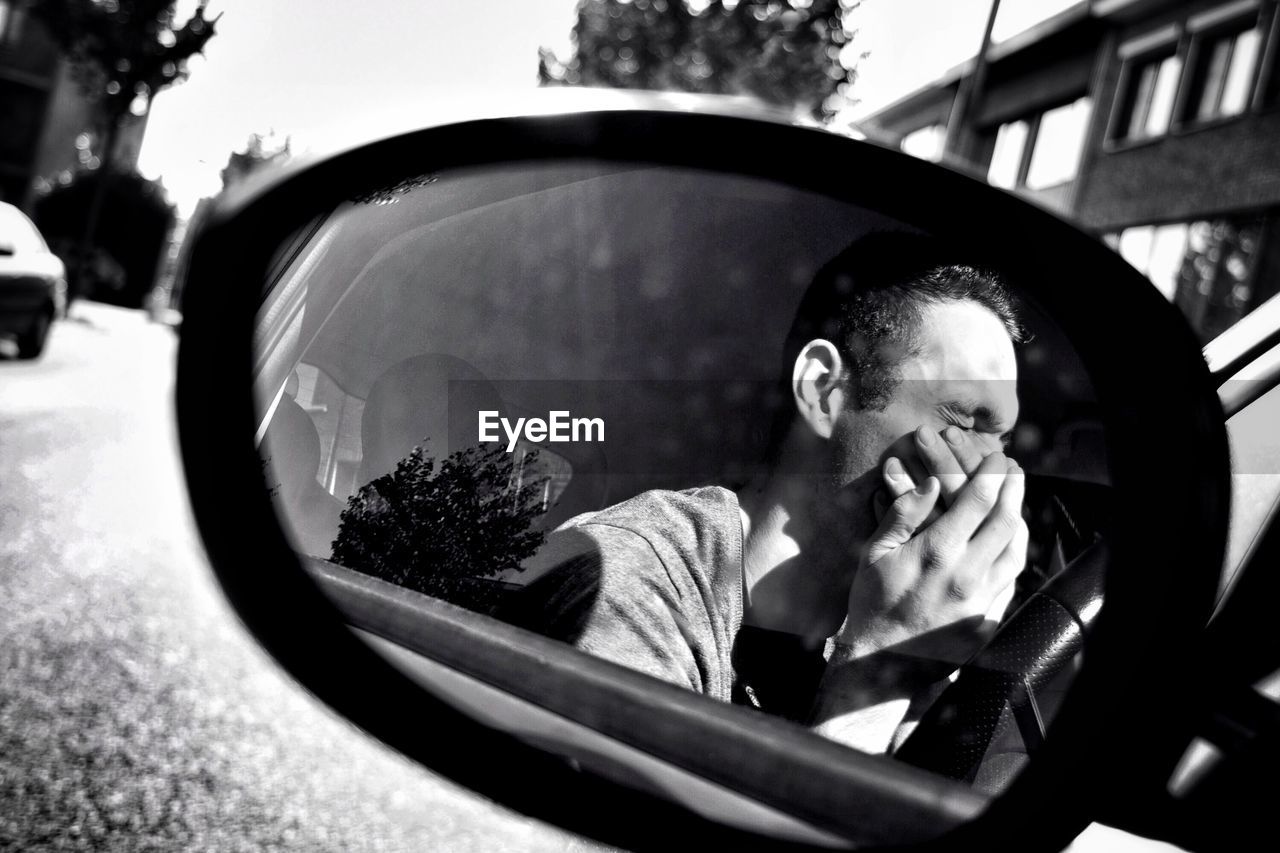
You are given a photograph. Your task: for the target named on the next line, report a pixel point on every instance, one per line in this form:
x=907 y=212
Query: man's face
x=964 y=375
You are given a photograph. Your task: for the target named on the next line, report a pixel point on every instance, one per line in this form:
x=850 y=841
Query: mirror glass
x=575 y=396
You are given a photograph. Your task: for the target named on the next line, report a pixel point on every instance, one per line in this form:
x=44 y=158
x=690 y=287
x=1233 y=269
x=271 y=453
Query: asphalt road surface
x=136 y=713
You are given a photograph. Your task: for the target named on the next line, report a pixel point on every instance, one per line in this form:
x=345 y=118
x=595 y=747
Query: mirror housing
x=1158 y=596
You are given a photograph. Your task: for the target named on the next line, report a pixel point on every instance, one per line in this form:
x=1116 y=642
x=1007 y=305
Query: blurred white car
x=33 y=283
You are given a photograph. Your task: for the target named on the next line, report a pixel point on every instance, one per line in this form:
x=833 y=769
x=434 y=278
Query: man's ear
x=816 y=386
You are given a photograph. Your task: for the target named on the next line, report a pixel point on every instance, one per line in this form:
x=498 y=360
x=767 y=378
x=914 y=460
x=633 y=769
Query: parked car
x=596 y=261
x=33 y=283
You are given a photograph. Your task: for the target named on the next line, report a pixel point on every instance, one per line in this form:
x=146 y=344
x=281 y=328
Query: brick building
x=45 y=119
x=1153 y=124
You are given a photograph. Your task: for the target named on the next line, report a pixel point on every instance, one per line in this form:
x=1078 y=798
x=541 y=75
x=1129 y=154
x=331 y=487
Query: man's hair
x=870 y=299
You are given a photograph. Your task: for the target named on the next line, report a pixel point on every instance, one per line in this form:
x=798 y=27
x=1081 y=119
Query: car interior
x=666 y=322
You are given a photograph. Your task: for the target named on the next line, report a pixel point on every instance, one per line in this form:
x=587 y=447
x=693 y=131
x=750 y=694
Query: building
x=1152 y=124
x=46 y=121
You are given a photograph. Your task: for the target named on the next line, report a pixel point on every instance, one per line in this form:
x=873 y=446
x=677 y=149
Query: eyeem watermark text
x=559 y=427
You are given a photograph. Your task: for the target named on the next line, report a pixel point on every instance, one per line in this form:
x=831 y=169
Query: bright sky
x=315 y=71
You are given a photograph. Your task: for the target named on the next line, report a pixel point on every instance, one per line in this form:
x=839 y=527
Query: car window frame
x=1245 y=362
x=621 y=700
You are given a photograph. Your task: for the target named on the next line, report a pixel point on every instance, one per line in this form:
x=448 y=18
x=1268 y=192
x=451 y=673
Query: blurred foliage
x=134 y=227
x=443 y=532
x=787 y=54
x=1216 y=278
x=260 y=152
x=124 y=51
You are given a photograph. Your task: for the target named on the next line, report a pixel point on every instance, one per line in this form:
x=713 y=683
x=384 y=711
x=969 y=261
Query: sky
x=327 y=77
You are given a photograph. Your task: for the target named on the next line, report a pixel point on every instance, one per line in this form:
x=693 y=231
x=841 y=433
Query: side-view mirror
x=575 y=455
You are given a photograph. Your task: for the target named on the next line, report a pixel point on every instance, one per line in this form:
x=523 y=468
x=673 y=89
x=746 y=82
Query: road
x=136 y=713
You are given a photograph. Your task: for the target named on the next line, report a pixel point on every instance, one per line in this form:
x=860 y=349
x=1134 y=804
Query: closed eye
x=975 y=417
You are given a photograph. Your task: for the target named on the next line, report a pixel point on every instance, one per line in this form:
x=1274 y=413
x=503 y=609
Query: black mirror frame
x=1172 y=475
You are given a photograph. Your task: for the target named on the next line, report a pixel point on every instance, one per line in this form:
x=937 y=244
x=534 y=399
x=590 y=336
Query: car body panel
x=32 y=279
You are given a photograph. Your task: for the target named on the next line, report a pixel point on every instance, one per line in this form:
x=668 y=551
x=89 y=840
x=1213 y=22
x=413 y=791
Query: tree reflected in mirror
x=447 y=529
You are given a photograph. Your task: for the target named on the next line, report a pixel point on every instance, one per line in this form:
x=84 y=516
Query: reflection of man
x=836 y=587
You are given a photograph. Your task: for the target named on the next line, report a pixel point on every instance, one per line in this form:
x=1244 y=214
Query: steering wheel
x=997 y=695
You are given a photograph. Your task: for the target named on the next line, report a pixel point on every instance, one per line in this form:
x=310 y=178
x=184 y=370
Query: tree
x=260 y=152
x=785 y=53
x=256 y=155
x=130 y=238
x=444 y=532
x=122 y=52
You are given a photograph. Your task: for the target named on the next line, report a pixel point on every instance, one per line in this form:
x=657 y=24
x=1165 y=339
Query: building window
x=1040 y=151
x=1156 y=251
x=1059 y=142
x=1151 y=87
x=925 y=143
x=1006 y=158
x=1223 y=74
x=11 y=18
x=1223 y=49
x=1270 y=70
x=1207 y=267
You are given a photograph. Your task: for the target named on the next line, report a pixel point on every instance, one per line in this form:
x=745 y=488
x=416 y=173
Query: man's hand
x=953 y=460
x=952 y=456
x=926 y=589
